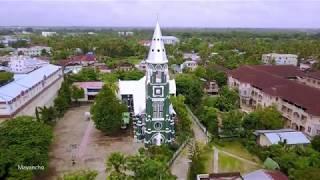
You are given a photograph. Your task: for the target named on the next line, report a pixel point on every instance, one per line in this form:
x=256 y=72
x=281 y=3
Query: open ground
x=77 y=139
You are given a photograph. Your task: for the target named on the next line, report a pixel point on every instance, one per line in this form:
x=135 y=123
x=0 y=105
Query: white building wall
x=280 y=59
x=296 y=117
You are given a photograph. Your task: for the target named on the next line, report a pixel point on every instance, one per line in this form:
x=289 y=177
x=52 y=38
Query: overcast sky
x=174 y=13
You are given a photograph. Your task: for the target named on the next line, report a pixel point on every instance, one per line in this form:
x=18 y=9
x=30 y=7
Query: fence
x=200 y=125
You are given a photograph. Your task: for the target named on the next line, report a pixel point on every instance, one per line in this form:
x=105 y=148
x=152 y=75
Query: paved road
x=180 y=166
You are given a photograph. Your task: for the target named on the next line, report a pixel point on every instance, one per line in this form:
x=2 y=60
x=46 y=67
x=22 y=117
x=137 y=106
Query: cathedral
x=148 y=98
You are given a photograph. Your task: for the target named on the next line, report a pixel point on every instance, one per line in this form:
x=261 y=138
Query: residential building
x=280 y=59
x=125 y=66
x=91 y=89
x=145 y=43
x=36 y=88
x=305 y=65
x=170 y=40
x=189 y=64
x=47 y=33
x=142 y=66
x=148 y=98
x=312 y=79
x=83 y=60
x=211 y=87
x=191 y=56
x=24 y=64
x=287 y=136
x=33 y=51
x=280 y=86
x=125 y=33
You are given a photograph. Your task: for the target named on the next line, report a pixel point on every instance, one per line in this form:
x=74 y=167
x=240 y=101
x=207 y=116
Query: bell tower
x=159 y=123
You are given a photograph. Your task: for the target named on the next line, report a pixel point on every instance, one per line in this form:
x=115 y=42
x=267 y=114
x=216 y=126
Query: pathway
x=215 y=160
x=180 y=166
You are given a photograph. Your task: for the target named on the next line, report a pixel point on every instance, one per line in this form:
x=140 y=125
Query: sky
x=171 y=13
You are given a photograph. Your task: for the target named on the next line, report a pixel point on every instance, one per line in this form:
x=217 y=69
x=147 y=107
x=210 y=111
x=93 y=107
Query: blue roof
x=290 y=137
x=23 y=82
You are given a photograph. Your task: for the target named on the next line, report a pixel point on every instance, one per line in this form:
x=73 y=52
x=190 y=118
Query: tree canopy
x=191 y=87
x=23 y=141
x=107 y=111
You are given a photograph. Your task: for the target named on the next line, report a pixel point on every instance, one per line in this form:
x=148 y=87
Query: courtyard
x=79 y=145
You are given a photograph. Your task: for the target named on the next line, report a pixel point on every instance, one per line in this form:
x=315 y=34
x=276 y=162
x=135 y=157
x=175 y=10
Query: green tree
x=117 y=162
x=191 y=87
x=23 y=141
x=209 y=117
x=107 y=111
x=263 y=118
x=46 y=115
x=316 y=142
x=80 y=175
x=197 y=161
x=231 y=123
x=77 y=93
x=183 y=127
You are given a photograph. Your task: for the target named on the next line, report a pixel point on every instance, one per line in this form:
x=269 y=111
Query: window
x=158 y=77
x=309 y=129
x=157 y=109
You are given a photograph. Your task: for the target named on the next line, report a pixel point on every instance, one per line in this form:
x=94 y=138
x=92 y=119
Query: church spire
x=157 y=53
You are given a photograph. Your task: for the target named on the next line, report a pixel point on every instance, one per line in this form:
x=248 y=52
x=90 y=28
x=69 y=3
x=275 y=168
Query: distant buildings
x=9 y=40
x=191 y=56
x=170 y=40
x=284 y=87
x=47 y=33
x=280 y=59
x=211 y=87
x=83 y=60
x=24 y=64
x=27 y=91
x=125 y=33
x=192 y=65
x=91 y=89
x=287 y=136
x=33 y=51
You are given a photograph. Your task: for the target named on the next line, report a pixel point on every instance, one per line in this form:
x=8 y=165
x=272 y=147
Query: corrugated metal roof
x=289 y=137
x=25 y=81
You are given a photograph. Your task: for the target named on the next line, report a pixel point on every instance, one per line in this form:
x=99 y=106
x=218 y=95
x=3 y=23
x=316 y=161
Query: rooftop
x=23 y=82
x=273 y=81
x=89 y=84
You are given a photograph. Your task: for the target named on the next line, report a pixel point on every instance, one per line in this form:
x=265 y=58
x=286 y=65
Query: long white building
x=27 y=91
x=24 y=64
x=33 y=51
x=280 y=59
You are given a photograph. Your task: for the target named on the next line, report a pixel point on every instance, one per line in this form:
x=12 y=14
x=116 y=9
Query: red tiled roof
x=281 y=70
x=77 y=59
x=276 y=83
x=314 y=74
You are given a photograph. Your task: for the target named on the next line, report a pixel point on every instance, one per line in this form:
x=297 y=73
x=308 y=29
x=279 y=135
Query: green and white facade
x=148 y=97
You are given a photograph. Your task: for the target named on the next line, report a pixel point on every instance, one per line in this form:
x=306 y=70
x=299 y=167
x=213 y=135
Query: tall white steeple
x=157 y=53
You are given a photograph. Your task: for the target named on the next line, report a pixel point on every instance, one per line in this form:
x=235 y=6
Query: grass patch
x=230 y=164
x=238 y=149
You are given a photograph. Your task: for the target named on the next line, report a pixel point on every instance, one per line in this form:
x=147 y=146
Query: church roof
x=157 y=53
